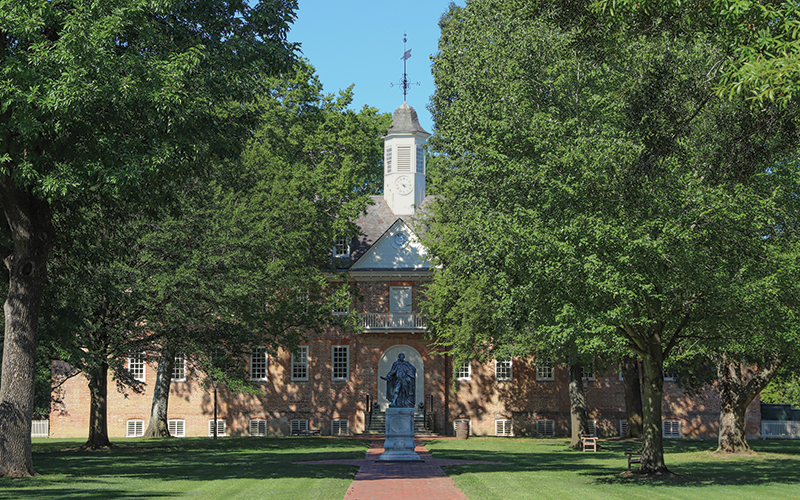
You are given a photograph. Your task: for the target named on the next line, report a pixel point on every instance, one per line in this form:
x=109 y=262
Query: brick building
x=332 y=382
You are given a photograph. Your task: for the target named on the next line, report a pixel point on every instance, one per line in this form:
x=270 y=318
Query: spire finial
x=404 y=83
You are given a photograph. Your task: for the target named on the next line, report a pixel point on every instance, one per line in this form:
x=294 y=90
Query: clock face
x=403 y=184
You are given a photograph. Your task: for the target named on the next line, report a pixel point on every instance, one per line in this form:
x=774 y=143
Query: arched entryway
x=388 y=357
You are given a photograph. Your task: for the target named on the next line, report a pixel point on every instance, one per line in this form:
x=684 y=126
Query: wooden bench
x=588 y=443
x=307 y=432
x=634 y=457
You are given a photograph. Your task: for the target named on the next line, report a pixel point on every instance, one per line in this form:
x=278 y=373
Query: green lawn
x=543 y=469
x=242 y=468
x=228 y=468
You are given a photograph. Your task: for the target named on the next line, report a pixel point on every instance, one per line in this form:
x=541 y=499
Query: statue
x=401 y=383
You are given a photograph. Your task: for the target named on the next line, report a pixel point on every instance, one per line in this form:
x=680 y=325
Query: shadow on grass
x=66 y=472
x=693 y=462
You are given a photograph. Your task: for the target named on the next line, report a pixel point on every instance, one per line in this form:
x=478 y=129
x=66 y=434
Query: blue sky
x=361 y=42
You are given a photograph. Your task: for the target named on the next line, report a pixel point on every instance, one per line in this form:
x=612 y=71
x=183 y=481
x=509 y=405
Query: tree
x=764 y=37
x=633 y=396
x=259 y=230
x=104 y=97
x=597 y=185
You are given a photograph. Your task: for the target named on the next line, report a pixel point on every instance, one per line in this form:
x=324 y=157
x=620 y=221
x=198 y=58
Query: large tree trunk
x=738 y=386
x=30 y=223
x=577 y=405
x=633 y=396
x=98 y=409
x=653 y=390
x=158 y=427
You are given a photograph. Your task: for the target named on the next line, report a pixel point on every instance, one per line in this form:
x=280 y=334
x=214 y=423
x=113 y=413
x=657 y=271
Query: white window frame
x=671 y=429
x=340 y=427
x=623 y=427
x=300 y=364
x=258 y=427
x=338 y=364
x=259 y=373
x=341 y=248
x=545 y=427
x=503 y=427
x=222 y=428
x=503 y=370
x=179 y=368
x=137 y=367
x=134 y=428
x=545 y=372
x=590 y=376
x=299 y=424
x=397 y=299
x=465 y=373
x=387 y=159
x=177 y=428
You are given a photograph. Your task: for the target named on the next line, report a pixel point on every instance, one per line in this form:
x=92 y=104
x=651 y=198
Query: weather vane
x=404 y=83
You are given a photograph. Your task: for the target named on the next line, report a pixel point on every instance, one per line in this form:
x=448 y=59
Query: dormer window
x=341 y=248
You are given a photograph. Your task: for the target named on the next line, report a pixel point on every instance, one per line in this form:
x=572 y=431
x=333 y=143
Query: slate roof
x=405 y=121
x=373 y=224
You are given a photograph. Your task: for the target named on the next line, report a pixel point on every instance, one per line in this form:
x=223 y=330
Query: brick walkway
x=401 y=480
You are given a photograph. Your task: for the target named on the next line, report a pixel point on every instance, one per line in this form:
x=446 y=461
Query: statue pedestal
x=399 y=443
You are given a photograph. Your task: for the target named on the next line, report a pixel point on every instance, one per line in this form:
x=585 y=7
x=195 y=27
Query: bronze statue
x=401 y=383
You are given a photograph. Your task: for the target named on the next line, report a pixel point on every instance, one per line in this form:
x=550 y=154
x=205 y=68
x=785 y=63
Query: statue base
x=399 y=443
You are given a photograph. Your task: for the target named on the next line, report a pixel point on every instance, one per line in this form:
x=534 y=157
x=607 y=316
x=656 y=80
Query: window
x=465 y=372
x=503 y=428
x=300 y=363
x=400 y=299
x=299 y=425
x=420 y=160
x=388 y=160
x=621 y=378
x=136 y=367
x=340 y=427
x=220 y=428
x=544 y=370
x=343 y=310
x=502 y=369
x=341 y=248
x=340 y=362
x=179 y=368
x=671 y=429
x=135 y=428
x=258 y=427
x=591 y=427
x=177 y=428
x=258 y=363
x=545 y=428
x=588 y=375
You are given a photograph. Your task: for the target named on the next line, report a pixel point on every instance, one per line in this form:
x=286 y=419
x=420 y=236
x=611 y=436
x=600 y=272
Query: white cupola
x=404 y=162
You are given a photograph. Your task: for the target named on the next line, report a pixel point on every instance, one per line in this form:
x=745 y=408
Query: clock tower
x=404 y=162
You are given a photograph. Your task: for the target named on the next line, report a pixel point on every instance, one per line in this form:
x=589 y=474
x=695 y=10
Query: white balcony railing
x=391 y=321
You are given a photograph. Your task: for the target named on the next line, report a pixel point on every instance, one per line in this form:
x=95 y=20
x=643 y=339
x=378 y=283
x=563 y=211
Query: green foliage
x=598 y=192
x=764 y=53
x=784 y=388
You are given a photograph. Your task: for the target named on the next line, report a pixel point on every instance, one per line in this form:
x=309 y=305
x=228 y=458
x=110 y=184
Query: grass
x=243 y=468
x=545 y=469
x=228 y=468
